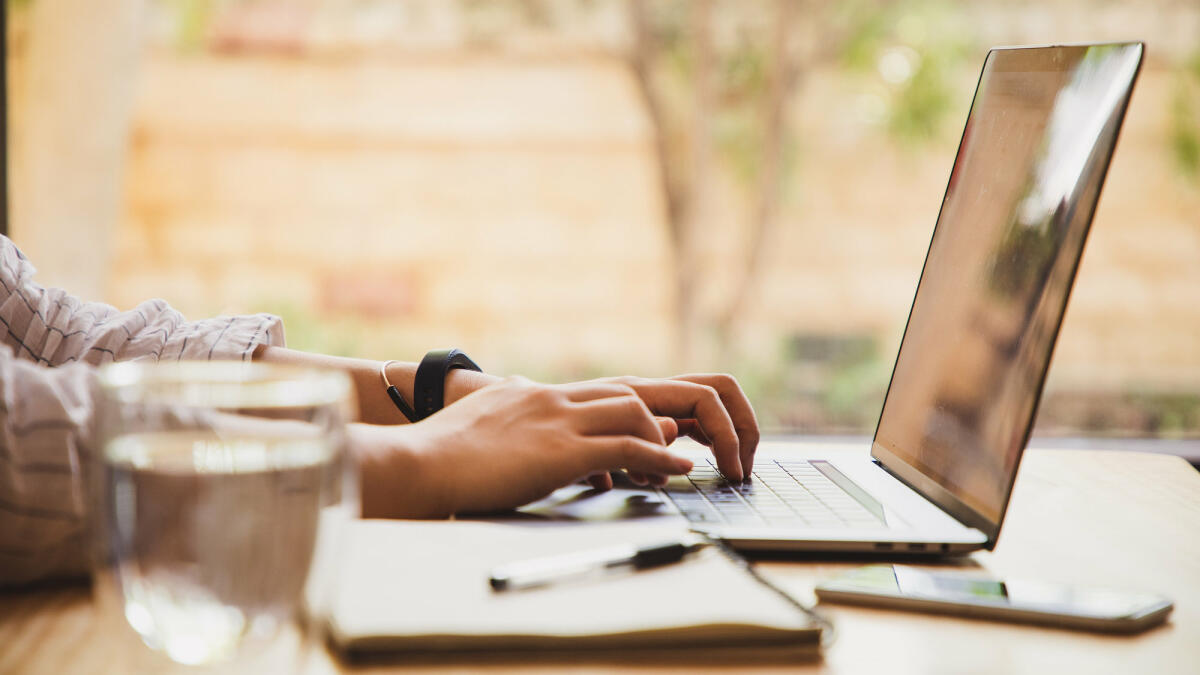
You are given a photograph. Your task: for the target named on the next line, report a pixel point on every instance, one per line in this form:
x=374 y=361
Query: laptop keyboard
x=778 y=494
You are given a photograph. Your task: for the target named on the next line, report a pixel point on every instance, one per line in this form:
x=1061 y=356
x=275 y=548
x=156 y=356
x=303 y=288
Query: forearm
x=374 y=406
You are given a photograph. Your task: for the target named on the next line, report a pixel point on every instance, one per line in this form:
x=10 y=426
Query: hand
x=509 y=444
x=711 y=408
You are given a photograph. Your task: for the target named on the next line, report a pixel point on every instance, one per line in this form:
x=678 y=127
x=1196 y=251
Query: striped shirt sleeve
x=50 y=344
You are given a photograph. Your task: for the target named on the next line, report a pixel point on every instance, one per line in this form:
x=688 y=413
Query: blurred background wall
x=567 y=188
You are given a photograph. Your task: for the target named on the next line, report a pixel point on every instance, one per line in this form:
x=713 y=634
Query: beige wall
x=506 y=206
x=509 y=205
x=71 y=93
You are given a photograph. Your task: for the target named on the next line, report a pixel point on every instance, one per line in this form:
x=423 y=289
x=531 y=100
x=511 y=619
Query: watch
x=429 y=385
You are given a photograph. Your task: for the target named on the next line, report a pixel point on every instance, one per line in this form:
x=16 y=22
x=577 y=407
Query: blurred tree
x=908 y=50
x=683 y=142
x=731 y=100
x=772 y=79
x=705 y=98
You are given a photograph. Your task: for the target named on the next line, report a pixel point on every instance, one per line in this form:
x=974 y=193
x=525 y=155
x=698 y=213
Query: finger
x=745 y=422
x=601 y=480
x=691 y=429
x=588 y=391
x=635 y=454
x=638 y=477
x=617 y=415
x=669 y=428
x=684 y=399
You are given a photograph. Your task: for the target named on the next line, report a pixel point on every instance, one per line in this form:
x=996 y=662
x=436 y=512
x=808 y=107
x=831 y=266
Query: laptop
x=980 y=333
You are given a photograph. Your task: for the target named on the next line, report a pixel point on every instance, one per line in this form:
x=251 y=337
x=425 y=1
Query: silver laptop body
x=968 y=377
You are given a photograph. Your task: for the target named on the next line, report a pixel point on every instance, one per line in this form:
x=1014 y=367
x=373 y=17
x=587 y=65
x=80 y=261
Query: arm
x=711 y=408
x=425 y=470
x=374 y=406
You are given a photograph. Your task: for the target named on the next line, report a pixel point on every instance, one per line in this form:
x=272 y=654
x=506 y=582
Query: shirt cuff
x=232 y=338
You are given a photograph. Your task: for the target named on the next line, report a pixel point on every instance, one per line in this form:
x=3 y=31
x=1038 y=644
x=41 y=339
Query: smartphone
x=965 y=594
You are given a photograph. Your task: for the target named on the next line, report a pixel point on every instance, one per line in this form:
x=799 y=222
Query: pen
x=543 y=571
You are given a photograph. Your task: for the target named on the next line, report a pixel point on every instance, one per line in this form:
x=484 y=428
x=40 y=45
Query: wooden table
x=1100 y=518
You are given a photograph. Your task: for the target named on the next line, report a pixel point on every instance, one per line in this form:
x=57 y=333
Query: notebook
x=422 y=587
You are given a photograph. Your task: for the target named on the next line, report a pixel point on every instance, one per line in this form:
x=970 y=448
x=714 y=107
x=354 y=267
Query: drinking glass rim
x=224 y=384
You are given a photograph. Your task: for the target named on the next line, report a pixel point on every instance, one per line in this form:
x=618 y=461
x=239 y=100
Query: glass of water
x=220 y=495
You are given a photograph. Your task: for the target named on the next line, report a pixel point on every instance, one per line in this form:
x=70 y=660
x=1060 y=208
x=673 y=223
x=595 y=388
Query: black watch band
x=429 y=385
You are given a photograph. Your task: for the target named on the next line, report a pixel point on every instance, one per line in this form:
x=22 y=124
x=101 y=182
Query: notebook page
x=424 y=586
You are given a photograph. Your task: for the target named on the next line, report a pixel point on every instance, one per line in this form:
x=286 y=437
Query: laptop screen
x=999 y=270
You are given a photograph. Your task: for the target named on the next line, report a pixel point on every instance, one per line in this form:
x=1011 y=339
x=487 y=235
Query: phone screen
x=960 y=588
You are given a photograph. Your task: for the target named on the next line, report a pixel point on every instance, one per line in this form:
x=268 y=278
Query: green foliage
x=919 y=108
x=1183 y=132
x=855 y=391
x=741 y=84
x=765 y=387
x=309 y=331
x=193 y=18
x=911 y=48
x=829 y=383
x=739 y=127
x=738 y=124
x=867 y=27
x=1171 y=414
x=1185 y=135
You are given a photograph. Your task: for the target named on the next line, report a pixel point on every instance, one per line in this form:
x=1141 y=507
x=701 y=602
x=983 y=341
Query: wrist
x=461 y=382
x=375 y=406
x=399 y=474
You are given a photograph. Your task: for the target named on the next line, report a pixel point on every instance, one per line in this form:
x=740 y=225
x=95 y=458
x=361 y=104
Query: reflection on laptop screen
x=1001 y=264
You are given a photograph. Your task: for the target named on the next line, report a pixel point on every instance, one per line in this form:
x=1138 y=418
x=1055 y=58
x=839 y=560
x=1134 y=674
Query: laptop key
x=779 y=493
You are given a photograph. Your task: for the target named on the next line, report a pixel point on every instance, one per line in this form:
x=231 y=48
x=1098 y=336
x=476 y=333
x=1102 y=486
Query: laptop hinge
x=964 y=519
